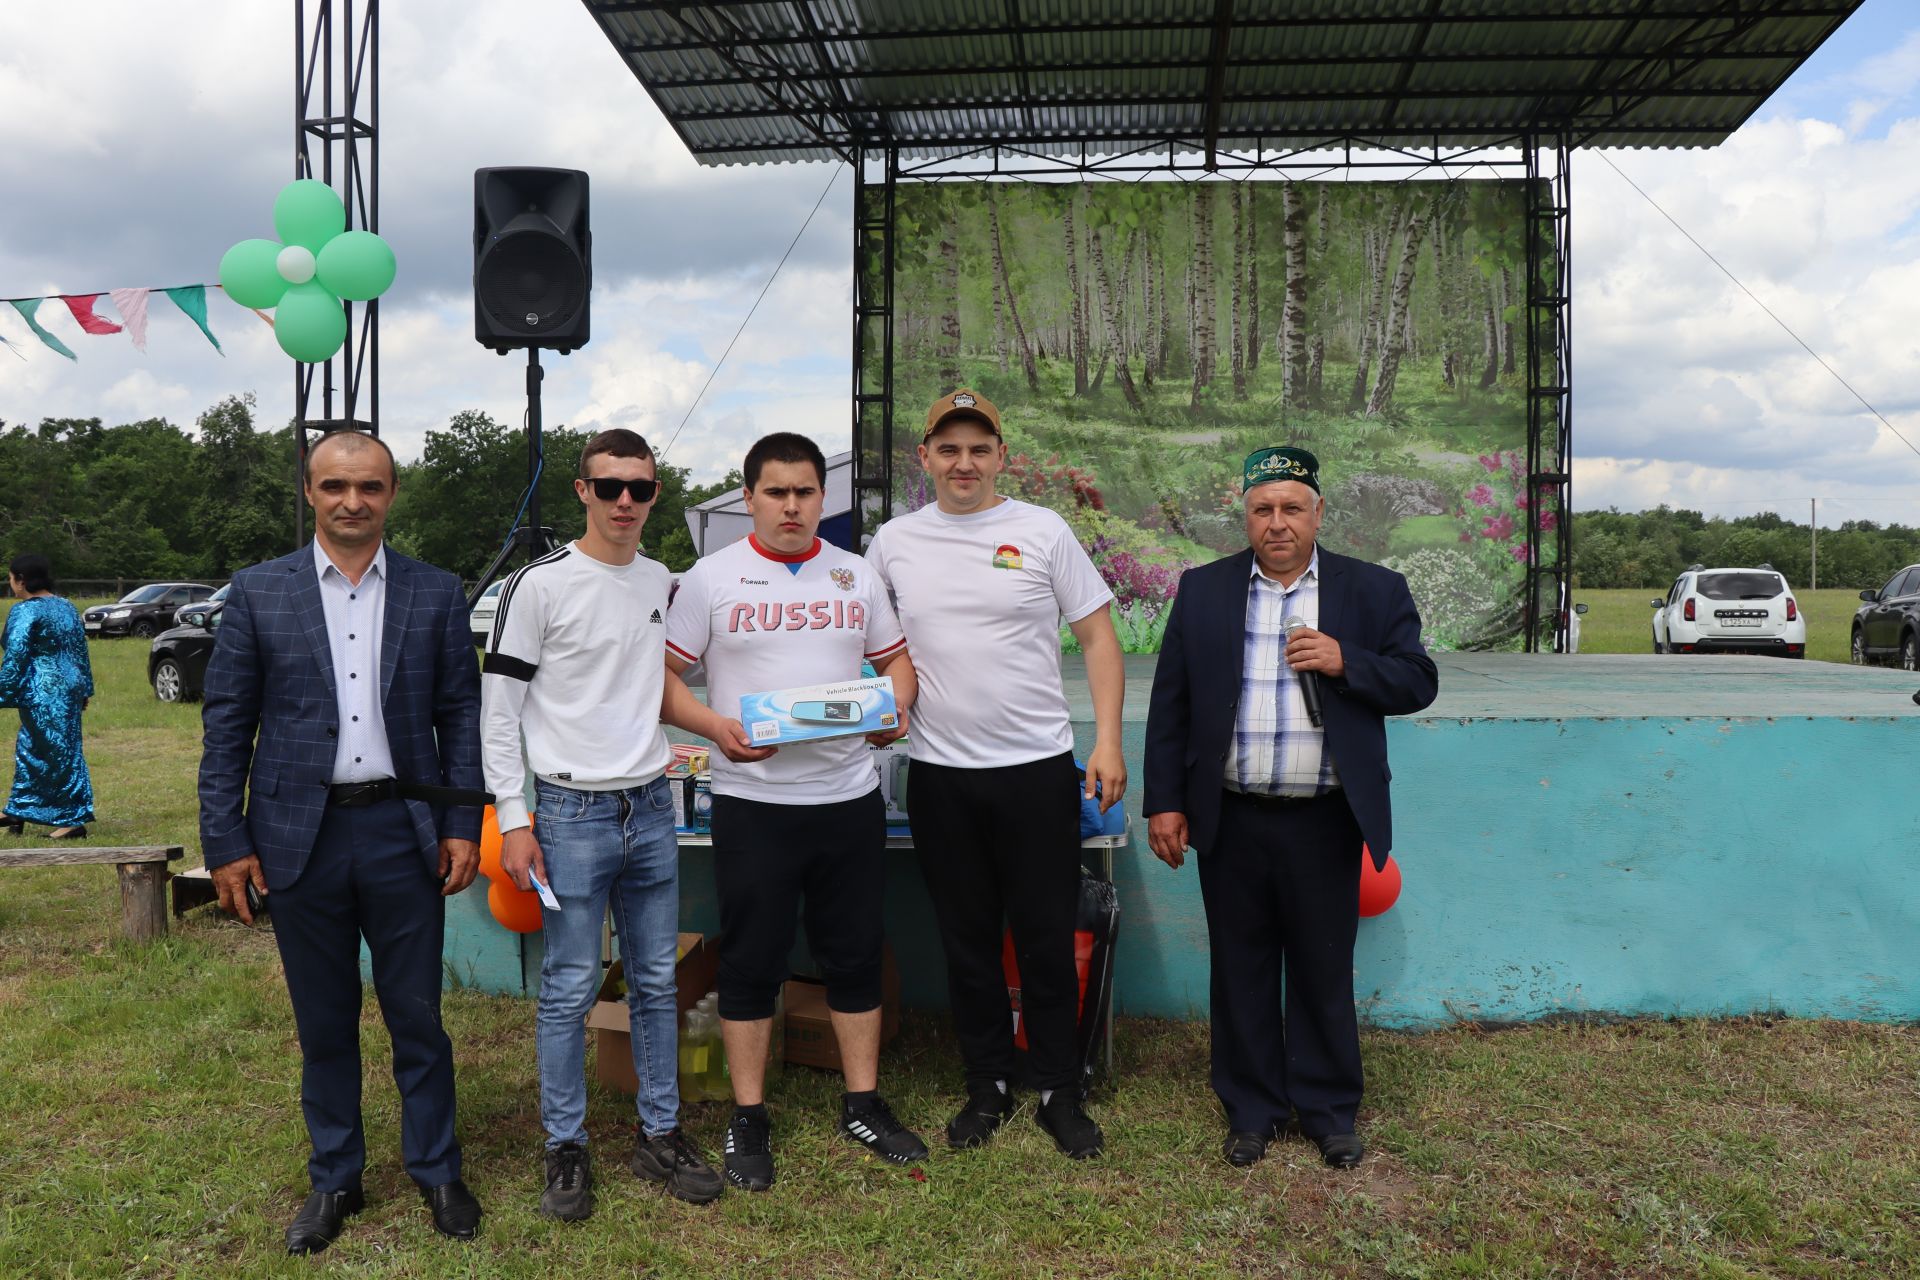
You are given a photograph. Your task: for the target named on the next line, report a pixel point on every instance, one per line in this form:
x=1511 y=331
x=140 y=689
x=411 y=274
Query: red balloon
x=1378 y=889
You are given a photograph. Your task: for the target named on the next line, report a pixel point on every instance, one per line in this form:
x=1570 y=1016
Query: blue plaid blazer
x=271 y=716
x=1196 y=689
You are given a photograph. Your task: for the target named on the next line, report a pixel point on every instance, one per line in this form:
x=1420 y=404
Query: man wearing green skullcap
x=1267 y=753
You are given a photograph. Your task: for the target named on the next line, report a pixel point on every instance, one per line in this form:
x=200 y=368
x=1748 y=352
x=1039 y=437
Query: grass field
x=153 y=1129
x=1621 y=621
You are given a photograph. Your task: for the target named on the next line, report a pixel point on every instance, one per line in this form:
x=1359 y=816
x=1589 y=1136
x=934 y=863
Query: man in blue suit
x=341 y=776
x=1267 y=753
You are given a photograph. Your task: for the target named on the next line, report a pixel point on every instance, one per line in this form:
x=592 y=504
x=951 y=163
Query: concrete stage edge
x=1594 y=835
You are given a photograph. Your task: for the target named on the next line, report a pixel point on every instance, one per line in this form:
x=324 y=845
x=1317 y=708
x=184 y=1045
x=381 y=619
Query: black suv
x=1887 y=627
x=143 y=611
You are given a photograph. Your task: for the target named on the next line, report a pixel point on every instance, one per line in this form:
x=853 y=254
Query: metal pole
x=1813 y=527
x=536 y=547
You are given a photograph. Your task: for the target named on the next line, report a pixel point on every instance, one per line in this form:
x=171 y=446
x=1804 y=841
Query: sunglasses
x=607 y=488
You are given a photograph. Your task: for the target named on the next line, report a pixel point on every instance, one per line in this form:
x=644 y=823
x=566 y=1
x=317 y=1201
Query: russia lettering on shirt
x=795 y=615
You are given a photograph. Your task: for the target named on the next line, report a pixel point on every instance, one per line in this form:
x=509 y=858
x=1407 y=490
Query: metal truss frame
x=1542 y=160
x=336 y=74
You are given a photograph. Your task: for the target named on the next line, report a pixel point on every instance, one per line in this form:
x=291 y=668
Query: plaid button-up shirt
x=1276 y=749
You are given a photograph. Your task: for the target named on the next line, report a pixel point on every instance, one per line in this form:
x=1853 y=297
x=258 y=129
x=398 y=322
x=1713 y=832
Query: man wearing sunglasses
x=576 y=664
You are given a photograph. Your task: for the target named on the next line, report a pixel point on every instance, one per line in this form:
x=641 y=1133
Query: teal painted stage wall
x=1587 y=835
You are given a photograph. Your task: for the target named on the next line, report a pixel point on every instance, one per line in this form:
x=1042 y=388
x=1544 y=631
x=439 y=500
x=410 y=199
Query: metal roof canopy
x=754 y=81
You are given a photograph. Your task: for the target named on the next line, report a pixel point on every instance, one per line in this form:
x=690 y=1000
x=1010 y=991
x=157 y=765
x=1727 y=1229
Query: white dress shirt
x=356 y=619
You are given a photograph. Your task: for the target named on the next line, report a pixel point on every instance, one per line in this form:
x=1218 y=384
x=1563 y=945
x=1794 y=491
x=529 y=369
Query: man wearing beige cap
x=982 y=583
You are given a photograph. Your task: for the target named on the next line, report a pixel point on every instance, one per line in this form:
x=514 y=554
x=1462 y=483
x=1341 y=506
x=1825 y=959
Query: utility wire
x=750 y=310
x=1756 y=299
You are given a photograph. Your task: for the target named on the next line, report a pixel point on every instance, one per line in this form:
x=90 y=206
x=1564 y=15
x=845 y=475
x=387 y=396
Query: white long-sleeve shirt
x=576 y=665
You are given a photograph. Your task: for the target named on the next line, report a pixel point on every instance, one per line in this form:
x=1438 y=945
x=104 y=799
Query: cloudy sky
x=142 y=139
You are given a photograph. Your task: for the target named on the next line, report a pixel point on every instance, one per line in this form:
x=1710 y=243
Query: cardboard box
x=694 y=975
x=812 y=713
x=810 y=1038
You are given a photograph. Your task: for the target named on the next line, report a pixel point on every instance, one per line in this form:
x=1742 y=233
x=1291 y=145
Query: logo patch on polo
x=1007 y=556
x=842 y=578
x=655 y=617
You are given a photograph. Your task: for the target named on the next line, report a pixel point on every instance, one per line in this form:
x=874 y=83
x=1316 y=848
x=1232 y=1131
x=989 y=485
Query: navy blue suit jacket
x=271 y=715
x=1196 y=689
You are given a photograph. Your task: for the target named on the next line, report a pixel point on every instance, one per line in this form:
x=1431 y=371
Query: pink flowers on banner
x=1497 y=511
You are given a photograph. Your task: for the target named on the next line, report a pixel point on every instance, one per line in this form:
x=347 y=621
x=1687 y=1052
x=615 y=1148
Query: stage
x=1618 y=835
x=1604 y=835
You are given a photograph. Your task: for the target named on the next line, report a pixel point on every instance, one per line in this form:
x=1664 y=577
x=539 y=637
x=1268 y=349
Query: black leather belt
x=1279 y=802
x=358 y=795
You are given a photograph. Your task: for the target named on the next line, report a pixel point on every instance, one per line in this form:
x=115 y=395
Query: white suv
x=1730 y=611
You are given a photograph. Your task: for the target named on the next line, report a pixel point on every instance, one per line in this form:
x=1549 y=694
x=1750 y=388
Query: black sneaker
x=672 y=1159
x=569 y=1193
x=749 y=1152
x=1073 y=1130
x=986 y=1110
x=873 y=1126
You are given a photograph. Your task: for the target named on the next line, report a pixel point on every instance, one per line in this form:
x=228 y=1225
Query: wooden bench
x=143 y=879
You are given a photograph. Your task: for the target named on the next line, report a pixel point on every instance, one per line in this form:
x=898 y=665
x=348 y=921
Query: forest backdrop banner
x=1141 y=338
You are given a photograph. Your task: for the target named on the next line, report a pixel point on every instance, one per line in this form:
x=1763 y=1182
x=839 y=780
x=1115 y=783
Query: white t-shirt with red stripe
x=982 y=597
x=761 y=621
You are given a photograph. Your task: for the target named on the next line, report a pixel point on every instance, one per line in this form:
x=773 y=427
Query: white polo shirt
x=762 y=621
x=982 y=597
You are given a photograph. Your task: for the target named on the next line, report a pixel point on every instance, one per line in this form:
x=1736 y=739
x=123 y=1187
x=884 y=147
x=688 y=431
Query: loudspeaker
x=532 y=258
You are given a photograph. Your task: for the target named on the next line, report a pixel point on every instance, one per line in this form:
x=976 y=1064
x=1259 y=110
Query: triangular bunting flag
x=81 y=304
x=26 y=307
x=132 y=306
x=192 y=299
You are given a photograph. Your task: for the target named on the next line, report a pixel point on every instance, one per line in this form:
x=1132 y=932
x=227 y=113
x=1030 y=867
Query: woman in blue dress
x=47 y=676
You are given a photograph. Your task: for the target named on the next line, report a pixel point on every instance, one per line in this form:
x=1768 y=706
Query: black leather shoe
x=1341 y=1150
x=455 y=1212
x=321 y=1217
x=1245 y=1149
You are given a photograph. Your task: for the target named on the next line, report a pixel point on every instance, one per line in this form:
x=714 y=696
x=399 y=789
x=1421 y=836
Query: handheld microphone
x=1310 y=680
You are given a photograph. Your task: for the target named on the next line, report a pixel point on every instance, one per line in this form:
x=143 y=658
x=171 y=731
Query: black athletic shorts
x=767 y=860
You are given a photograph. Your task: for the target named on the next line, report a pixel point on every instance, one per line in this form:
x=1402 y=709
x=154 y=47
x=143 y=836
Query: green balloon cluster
x=305 y=274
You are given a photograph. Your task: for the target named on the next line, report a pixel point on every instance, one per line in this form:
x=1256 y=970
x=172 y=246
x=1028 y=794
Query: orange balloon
x=489 y=843
x=516 y=909
x=1379 y=890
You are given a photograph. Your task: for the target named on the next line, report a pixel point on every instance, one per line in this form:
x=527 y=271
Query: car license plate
x=92 y=626
x=1741 y=622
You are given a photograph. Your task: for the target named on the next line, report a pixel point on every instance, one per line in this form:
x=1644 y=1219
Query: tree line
x=151 y=500
x=1651 y=548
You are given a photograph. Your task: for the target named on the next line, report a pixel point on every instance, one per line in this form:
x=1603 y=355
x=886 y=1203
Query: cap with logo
x=1282 y=462
x=960 y=405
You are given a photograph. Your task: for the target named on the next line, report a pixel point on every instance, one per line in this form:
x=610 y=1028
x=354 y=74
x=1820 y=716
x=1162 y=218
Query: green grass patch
x=153 y=1129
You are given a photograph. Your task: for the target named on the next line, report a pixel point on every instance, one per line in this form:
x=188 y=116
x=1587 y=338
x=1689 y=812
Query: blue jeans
x=601 y=846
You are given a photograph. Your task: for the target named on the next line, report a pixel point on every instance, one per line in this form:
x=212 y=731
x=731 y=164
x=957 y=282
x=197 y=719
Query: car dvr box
x=814 y=712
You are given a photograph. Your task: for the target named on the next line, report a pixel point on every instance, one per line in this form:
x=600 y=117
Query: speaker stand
x=537 y=538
